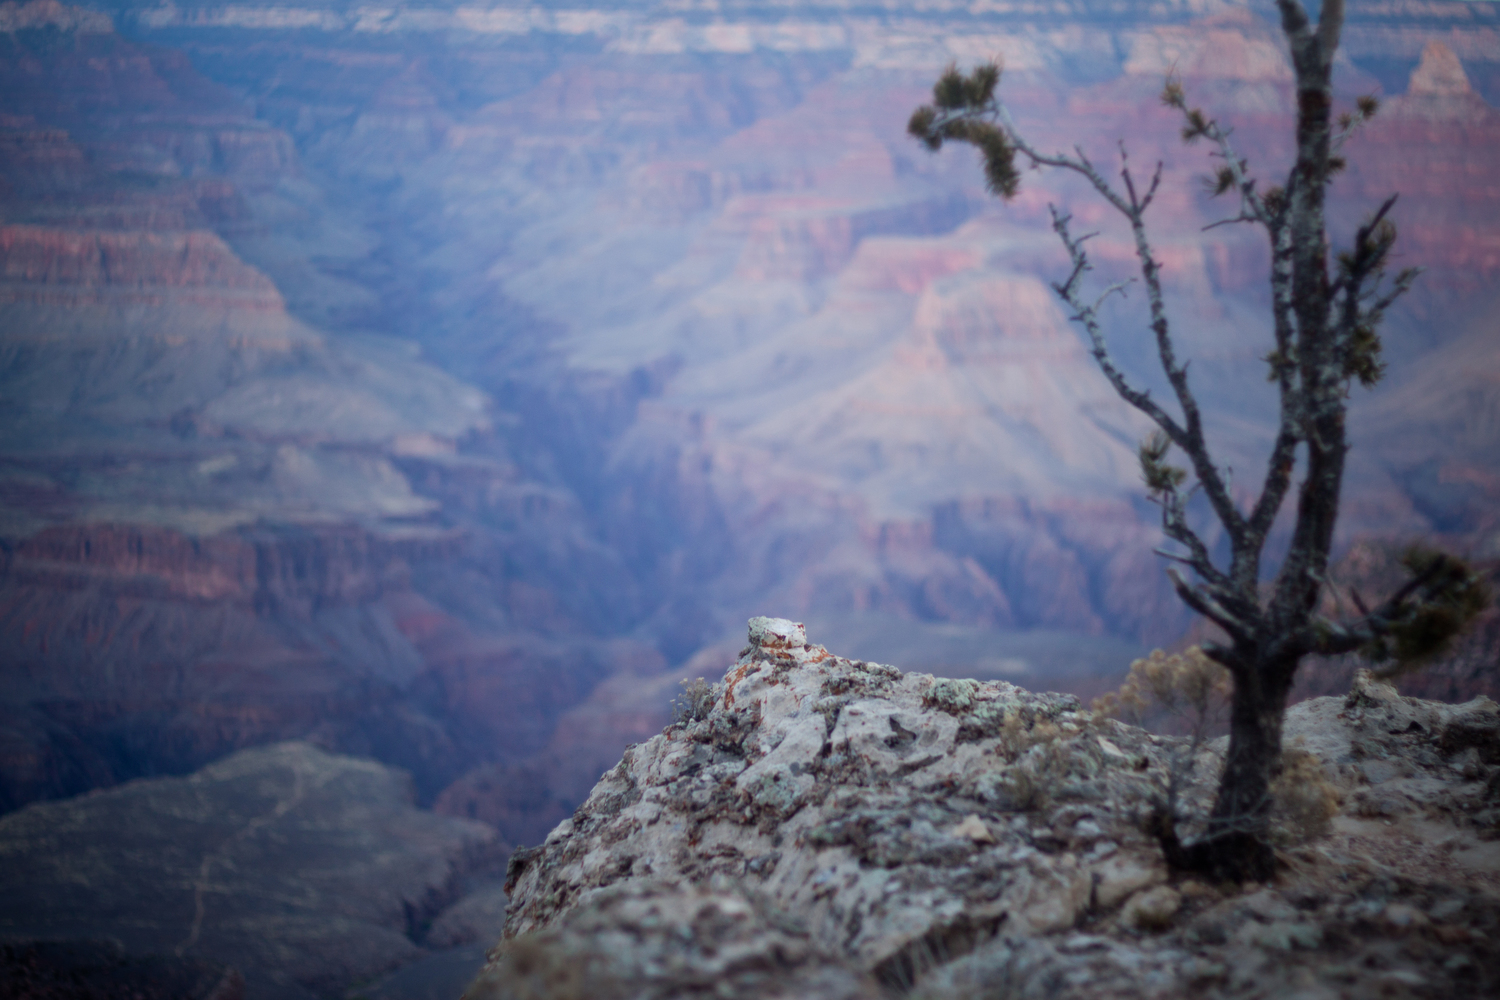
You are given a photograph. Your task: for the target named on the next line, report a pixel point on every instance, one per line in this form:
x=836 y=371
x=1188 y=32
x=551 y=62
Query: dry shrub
x=1039 y=761
x=1185 y=691
x=696 y=700
x=1016 y=737
x=1303 y=800
x=1184 y=694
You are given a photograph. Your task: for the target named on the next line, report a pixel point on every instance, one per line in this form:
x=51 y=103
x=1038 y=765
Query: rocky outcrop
x=304 y=871
x=956 y=838
x=629 y=942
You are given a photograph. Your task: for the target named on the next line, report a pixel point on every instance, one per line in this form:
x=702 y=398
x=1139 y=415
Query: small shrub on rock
x=1185 y=691
x=696 y=700
x=1304 y=801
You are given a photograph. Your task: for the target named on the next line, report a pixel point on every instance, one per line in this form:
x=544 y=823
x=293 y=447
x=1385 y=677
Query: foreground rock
x=659 y=939
x=966 y=839
x=304 y=871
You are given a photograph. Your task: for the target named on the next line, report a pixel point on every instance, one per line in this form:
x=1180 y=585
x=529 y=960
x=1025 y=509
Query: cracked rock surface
x=951 y=838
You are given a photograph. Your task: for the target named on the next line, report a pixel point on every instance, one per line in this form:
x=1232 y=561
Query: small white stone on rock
x=1405 y=977
x=1126 y=873
x=1087 y=829
x=1281 y=935
x=770 y=633
x=973 y=827
x=1152 y=909
x=1269 y=906
x=1077 y=943
x=1446 y=909
x=1401 y=916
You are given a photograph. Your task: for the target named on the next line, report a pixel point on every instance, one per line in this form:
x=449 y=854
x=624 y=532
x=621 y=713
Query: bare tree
x=1326 y=313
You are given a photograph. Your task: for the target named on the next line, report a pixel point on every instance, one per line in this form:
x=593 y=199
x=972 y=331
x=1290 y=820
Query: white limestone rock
x=821 y=826
x=1152 y=909
x=651 y=939
x=880 y=807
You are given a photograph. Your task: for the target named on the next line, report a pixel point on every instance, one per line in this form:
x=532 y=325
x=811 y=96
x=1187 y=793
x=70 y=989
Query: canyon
x=441 y=384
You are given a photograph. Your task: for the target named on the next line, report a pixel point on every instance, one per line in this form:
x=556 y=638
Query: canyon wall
x=223 y=525
x=441 y=383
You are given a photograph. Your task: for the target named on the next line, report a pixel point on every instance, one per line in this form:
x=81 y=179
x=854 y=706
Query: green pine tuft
x=1159 y=476
x=1451 y=597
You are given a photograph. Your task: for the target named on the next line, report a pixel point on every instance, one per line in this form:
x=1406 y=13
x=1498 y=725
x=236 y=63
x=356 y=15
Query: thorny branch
x=1188 y=434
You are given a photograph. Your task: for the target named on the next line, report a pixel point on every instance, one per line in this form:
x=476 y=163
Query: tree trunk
x=1235 y=847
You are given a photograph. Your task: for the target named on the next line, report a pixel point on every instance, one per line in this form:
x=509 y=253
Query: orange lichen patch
x=733 y=678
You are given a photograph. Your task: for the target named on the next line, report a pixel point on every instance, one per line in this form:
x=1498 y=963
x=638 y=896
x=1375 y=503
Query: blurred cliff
x=440 y=383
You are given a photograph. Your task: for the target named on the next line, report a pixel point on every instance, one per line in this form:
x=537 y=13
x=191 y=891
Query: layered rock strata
x=780 y=354
x=961 y=838
x=222 y=524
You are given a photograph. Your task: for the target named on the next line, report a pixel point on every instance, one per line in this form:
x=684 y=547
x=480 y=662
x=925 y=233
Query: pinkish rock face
x=427 y=377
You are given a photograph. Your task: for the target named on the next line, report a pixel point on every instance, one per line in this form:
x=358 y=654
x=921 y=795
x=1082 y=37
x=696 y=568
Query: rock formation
x=960 y=839
x=305 y=872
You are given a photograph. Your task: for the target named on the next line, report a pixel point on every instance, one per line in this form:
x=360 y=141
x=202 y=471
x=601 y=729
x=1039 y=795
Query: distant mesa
x=1439 y=74
x=1235 y=46
x=1439 y=91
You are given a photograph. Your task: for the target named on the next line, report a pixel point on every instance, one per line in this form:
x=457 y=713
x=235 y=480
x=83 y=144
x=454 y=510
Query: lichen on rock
x=852 y=794
x=958 y=838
